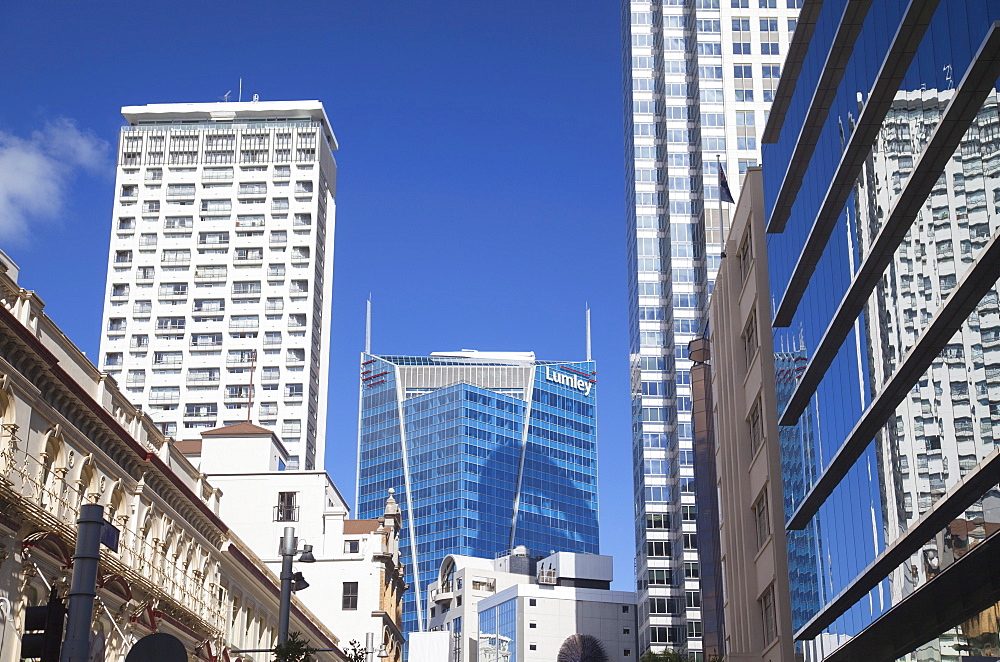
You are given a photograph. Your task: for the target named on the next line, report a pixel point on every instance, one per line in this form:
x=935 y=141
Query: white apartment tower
x=699 y=78
x=220 y=272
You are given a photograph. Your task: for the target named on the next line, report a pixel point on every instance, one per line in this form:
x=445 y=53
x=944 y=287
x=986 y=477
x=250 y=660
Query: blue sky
x=480 y=192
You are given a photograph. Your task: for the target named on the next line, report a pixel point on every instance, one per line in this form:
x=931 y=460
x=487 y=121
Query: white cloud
x=35 y=173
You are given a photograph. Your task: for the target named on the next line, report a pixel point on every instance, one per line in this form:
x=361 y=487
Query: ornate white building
x=69 y=436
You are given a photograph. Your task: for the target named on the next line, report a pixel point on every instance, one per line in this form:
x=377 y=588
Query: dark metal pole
x=83 y=589
x=288 y=545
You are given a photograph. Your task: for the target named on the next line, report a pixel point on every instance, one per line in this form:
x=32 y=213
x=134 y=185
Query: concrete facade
x=753 y=554
x=220 y=271
x=356 y=580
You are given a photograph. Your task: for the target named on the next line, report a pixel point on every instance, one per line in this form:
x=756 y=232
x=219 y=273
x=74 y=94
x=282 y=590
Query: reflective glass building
x=798 y=472
x=486 y=451
x=882 y=202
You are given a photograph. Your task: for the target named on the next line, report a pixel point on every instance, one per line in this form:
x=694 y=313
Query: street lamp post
x=290 y=581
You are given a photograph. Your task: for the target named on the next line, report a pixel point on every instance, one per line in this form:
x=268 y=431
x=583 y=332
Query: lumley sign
x=566 y=379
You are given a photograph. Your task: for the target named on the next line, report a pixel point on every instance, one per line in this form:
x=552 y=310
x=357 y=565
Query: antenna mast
x=589 y=356
x=368 y=325
x=253 y=367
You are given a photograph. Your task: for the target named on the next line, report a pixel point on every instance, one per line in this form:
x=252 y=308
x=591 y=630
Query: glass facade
x=498 y=632
x=880 y=253
x=484 y=455
x=699 y=77
x=798 y=473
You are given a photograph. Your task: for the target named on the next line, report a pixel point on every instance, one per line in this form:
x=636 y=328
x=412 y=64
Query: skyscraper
x=221 y=268
x=699 y=77
x=486 y=451
x=881 y=207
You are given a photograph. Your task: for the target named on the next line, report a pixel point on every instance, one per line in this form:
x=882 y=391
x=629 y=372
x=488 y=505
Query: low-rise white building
x=537 y=622
x=524 y=609
x=357 y=579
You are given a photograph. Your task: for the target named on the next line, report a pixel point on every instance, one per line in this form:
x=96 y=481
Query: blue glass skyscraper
x=486 y=451
x=882 y=207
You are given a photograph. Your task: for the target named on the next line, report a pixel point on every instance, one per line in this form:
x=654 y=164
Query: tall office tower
x=881 y=201
x=221 y=268
x=486 y=451
x=699 y=77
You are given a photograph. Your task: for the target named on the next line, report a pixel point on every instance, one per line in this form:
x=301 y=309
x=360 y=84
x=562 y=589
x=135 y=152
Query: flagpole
x=722 y=238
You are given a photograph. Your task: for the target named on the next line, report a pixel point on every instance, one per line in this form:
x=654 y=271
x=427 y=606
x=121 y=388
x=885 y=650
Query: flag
x=724 y=193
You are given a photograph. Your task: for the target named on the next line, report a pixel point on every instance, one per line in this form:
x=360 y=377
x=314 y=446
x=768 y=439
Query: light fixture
x=381 y=652
x=299 y=582
x=307 y=554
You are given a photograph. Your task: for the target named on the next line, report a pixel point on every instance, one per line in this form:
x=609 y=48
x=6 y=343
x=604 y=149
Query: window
x=657 y=521
x=692 y=599
x=768 y=35
x=761 y=517
x=741 y=36
x=743 y=82
x=532 y=625
x=293 y=391
x=176 y=256
x=750 y=338
x=172 y=290
x=658 y=548
x=660 y=577
x=690 y=541
x=756 y=423
x=196 y=410
x=766 y=604
x=352 y=546
x=663 y=606
x=624 y=609
x=178 y=223
x=744 y=257
x=691 y=570
x=350 y=599
x=532 y=602
x=771 y=73
x=287 y=510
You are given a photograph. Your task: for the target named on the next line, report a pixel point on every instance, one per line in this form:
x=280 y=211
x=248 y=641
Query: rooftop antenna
x=589 y=357
x=241 y=89
x=368 y=325
x=225 y=97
